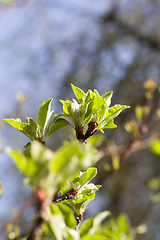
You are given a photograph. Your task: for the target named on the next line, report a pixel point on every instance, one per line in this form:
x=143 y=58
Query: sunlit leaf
x=79 y=93
x=24 y=128
x=19 y=159
x=60 y=123
x=87 y=176
x=95 y=237
x=114 y=111
x=44 y=115
x=155 y=147
x=67 y=215
x=91 y=225
x=107 y=96
x=99 y=103
x=110 y=124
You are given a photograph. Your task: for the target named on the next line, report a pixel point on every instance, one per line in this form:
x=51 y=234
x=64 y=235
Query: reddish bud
x=71 y=196
x=81 y=129
x=76 y=127
x=95 y=125
x=75 y=192
x=41 y=195
x=72 y=191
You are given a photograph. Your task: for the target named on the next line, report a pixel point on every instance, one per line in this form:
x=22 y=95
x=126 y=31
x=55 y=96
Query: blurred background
x=109 y=45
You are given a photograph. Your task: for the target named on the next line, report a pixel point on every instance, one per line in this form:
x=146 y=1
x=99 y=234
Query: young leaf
x=155 y=147
x=19 y=159
x=33 y=126
x=60 y=123
x=87 y=176
x=24 y=128
x=114 y=111
x=57 y=225
x=56 y=116
x=89 y=113
x=91 y=225
x=80 y=205
x=110 y=114
x=99 y=103
x=44 y=115
x=95 y=237
x=89 y=190
x=107 y=96
x=67 y=215
x=110 y=124
x=79 y=93
x=25 y=164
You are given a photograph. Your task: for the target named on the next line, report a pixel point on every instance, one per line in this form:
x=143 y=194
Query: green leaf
x=60 y=123
x=24 y=128
x=33 y=126
x=40 y=154
x=67 y=215
x=79 y=93
x=107 y=96
x=95 y=237
x=72 y=110
x=89 y=194
x=114 y=111
x=57 y=226
x=89 y=113
x=56 y=116
x=116 y=227
x=80 y=205
x=72 y=234
x=99 y=103
x=110 y=114
x=25 y=165
x=89 y=190
x=155 y=147
x=91 y=225
x=44 y=115
x=76 y=178
x=110 y=124
x=19 y=159
x=123 y=223
x=73 y=156
x=87 y=176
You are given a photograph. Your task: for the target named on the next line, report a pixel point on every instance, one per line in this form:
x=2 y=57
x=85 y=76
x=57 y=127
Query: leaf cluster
x=60 y=180
x=89 y=114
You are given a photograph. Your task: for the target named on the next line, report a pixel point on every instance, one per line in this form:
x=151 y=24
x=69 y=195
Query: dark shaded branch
x=37 y=230
x=131 y=30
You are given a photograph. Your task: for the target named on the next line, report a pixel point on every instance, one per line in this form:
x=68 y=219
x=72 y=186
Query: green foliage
x=90 y=226
x=60 y=180
x=92 y=111
x=92 y=108
x=86 y=190
x=49 y=170
x=155 y=147
x=33 y=130
x=27 y=128
x=44 y=116
x=61 y=223
x=118 y=229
